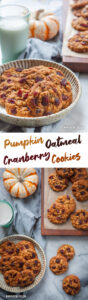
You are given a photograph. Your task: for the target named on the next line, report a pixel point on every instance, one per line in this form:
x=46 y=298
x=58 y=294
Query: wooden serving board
x=48 y=198
x=76 y=64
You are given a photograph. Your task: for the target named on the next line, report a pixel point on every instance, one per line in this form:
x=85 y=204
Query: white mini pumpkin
x=43 y=25
x=20 y=182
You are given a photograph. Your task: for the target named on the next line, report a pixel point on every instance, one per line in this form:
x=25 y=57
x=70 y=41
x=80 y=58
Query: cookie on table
x=79 y=4
x=34 y=265
x=7 y=248
x=24 y=246
x=57 y=183
x=17 y=263
x=29 y=254
x=80 y=24
x=65 y=172
x=71 y=285
x=78 y=173
x=66 y=251
x=26 y=277
x=58 y=264
x=12 y=277
x=5 y=263
x=66 y=201
x=80 y=189
x=77 y=12
x=80 y=219
x=57 y=214
x=79 y=42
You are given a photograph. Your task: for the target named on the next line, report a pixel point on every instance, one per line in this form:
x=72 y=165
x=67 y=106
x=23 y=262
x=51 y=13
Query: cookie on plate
x=17 y=263
x=34 y=265
x=79 y=4
x=66 y=201
x=67 y=251
x=64 y=172
x=29 y=254
x=80 y=24
x=77 y=12
x=26 y=277
x=80 y=189
x=58 y=264
x=79 y=42
x=71 y=285
x=24 y=246
x=5 y=263
x=57 y=183
x=7 y=248
x=57 y=213
x=12 y=277
x=78 y=173
x=80 y=219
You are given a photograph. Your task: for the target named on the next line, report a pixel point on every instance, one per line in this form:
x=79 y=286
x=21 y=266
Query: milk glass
x=14 y=26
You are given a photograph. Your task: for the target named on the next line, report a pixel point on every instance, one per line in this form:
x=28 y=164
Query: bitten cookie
x=66 y=201
x=66 y=172
x=80 y=24
x=79 y=42
x=58 y=264
x=57 y=183
x=78 y=173
x=80 y=219
x=71 y=285
x=34 y=265
x=7 y=248
x=67 y=251
x=80 y=189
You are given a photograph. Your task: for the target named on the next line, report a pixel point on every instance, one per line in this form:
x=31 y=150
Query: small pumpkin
x=43 y=25
x=20 y=182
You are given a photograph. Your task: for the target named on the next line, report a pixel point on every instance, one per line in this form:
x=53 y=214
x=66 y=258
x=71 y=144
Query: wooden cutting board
x=76 y=64
x=48 y=197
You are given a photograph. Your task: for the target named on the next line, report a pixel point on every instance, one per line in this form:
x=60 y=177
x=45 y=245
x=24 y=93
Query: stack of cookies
x=79 y=42
x=59 y=264
x=19 y=263
x=65 y=205
x=34 y=92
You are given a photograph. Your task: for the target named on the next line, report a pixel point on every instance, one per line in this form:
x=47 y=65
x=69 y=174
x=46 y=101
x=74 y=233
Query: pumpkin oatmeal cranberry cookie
x=80 y=219
x=34 y=265
x=57 y=214
x=58 y=264
x=5 y=263
x=12 y=277
x=65 y=172
x=79 y=42
x=57 y=183
x=66 y=201
x=80 y=24
x=71 y=285
x=7 y=248
x=66 y=251
x=80 y=189
x=78 y=173
x=24 y=246
x=17 y=263
x=26 y=277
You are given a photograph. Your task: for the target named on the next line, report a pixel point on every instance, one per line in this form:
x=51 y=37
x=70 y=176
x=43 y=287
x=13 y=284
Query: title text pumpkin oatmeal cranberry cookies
x=21 y=266
x=34 y=92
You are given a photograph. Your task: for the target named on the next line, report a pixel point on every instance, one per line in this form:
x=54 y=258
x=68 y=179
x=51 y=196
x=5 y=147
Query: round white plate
x=45 y=120
x=41 y=256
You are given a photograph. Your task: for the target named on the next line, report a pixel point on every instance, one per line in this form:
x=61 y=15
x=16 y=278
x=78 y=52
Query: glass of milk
x=6 y=213
x=14 y=27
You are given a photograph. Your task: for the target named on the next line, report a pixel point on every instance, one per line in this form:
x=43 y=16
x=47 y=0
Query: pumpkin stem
x=38 y=12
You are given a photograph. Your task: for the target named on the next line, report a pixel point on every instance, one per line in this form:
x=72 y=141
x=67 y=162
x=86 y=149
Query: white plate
x=41 y=256
x=45 y=120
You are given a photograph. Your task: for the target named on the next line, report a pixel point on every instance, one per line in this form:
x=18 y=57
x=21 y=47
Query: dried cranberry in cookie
x=58 y=264
x=71 y=285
